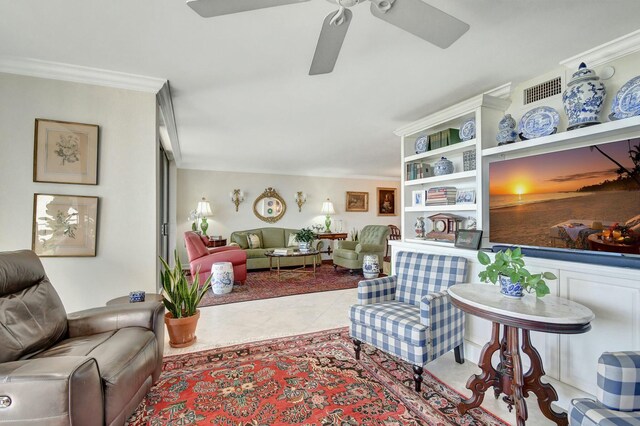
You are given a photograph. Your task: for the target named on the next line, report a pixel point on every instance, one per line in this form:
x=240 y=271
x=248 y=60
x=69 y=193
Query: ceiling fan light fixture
x=383 y=5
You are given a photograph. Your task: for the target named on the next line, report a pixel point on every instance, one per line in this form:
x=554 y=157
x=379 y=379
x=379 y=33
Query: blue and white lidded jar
x=222 y=277
x=371 y=266
x=506 y=130
x=583 y=98
x=443 y=167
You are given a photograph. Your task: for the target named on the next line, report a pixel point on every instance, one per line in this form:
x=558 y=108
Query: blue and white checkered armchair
x=618 y=393
x=409 y=314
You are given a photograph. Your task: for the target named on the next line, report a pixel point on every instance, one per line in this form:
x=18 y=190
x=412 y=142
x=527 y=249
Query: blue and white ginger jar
x=506 y=130
x=443 y=167
x=583 y=98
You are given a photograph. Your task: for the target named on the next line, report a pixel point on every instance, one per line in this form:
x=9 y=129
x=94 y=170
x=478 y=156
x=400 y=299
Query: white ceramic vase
x=222 y=277
x=371 y=266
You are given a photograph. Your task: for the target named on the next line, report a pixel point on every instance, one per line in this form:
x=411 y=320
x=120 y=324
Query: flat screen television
x=568 y=199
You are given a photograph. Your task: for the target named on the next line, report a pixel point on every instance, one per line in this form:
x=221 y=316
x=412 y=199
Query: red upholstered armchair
x=202 y=257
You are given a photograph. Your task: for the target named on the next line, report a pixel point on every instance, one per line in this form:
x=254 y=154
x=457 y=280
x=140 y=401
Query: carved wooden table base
x=508 y=377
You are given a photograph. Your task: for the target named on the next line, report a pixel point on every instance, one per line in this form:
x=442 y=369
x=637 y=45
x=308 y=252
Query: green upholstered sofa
x=350 y=254
x=270 y=238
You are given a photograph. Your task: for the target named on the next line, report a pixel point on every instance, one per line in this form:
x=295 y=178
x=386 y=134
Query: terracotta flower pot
x=182 y=331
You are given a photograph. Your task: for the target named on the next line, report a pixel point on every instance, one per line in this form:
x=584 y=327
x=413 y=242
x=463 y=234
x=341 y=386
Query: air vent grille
x=543 y=90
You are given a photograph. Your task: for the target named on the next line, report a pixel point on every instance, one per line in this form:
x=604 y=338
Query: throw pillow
x=254 y=241
x=292 y=241
x=241 y=240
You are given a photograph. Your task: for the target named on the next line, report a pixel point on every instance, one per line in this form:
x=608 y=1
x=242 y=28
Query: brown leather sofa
x=91 y=367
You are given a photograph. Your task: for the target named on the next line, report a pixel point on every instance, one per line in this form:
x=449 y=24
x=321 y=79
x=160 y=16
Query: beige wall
x=215 y=186
x=126 y=250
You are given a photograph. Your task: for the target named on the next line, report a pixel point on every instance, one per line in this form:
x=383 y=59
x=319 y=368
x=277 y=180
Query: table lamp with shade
x=327 y=208
x=203 y=211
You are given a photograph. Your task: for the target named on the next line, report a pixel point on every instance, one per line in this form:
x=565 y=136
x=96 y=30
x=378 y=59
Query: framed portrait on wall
x=357 y=201
x=64 y=225
x=386 y=201
x=65 y=152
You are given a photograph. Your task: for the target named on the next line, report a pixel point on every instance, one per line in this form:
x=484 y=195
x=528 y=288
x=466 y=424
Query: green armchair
x=350 y=254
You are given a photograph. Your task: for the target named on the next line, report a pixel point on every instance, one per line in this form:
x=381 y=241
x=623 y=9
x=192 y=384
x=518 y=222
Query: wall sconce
x=237 y=196
x=301 y=198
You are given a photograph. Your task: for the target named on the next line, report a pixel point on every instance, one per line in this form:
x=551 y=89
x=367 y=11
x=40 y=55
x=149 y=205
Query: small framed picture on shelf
x=418 y=198
x=466 y=196
x=468 y=239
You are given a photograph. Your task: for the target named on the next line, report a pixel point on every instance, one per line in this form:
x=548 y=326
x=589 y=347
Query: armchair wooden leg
x=417 y=376
x=458 y=352
x=356 y=346
x=335 y=267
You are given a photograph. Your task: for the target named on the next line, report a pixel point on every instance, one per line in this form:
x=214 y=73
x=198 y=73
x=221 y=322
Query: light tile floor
x=234 y=323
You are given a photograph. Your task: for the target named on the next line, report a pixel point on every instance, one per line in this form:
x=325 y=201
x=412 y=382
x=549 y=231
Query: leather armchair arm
x=370 y=248
x=110 y=318
x=52 y=391
x=344 y=244
x=223 y=248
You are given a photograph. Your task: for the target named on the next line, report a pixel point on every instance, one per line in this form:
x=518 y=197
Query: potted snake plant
x=181 y=300
x=508 y=268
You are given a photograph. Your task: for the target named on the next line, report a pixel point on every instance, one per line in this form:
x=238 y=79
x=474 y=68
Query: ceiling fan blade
x=209 y=8
x=422 y=20
x=330 y=43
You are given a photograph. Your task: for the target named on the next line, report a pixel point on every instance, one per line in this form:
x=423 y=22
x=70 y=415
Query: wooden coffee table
x=296 y=253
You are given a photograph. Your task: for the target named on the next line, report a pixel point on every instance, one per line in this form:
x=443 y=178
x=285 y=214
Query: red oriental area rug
x=265 y=285
x=312 y=379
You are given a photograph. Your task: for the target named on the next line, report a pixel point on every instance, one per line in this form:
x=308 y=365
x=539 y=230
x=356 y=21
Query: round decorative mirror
x=269 y=206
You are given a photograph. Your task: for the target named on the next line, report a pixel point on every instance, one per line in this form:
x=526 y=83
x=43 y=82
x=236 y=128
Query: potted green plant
x=305 y=237
x=508 y=268
x=181 y=299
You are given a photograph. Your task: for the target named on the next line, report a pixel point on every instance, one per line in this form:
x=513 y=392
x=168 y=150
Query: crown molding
x=79 y=74
x=502 y=92
x=607 y=52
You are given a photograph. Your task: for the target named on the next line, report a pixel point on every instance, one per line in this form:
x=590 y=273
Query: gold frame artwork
x=65 y=152
x=64 y=225
x=386 y=201
x=267 y=212
x=357 y=202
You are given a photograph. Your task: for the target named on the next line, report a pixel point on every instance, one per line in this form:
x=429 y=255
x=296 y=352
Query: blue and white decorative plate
x=468 y=129
x=421 y=144
x=540 y=121
x=627 y=101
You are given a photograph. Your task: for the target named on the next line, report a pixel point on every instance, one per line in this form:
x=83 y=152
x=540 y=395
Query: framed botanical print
x=65 y=152
x=386 y=201
x=64 y=225
x=357 y=201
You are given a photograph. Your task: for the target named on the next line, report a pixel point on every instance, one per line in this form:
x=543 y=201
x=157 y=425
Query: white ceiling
x=243 y=100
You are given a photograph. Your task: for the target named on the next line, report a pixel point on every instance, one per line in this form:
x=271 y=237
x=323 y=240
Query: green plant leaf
x=549 y=276
x=484 y=258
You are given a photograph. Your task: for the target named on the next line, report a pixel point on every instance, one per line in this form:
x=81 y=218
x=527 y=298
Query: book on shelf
x=418 y=170
x=443 y=138
x=441 y=195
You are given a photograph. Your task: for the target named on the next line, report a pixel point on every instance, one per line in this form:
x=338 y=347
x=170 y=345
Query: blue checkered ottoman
x=618 y=393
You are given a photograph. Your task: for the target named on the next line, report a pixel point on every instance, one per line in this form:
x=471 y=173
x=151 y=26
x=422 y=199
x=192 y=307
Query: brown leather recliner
x=91 y=367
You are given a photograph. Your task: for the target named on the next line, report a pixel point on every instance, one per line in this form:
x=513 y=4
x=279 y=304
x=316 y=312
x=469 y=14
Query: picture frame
x=417 y=199
x=466 y=196
x=64 y=225
x=65 y=152
x=468 y=239
x=386 y=201
x=357 y=201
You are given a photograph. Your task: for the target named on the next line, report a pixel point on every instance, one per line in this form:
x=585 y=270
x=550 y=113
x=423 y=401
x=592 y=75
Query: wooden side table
x=331 y=236
x=217 y=242
x=548 y=314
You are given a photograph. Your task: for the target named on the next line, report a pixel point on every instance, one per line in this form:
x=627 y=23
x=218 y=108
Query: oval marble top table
x=549 y=313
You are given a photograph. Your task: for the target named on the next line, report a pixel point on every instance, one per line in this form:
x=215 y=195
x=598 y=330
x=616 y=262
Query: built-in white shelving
x=443 y=178
x=445 y=208
x=448 y=150
x=430 y=242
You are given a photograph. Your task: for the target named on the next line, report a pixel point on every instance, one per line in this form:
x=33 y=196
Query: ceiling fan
x=414 y=16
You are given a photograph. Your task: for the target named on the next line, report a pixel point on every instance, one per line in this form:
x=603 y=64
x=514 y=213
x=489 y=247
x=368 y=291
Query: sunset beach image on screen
x=553 y=199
